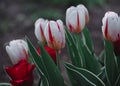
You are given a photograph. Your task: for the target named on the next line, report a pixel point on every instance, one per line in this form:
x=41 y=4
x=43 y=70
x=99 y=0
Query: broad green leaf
x=38 y=62
x=111 y=67
x=53 y=74
x=74 y=53
x=79 y=44
x=91 y=62
x=36 y=58
x=102 y=75
x=5 y=84
x=101 y=57
x=44 y=81
x=83 y=76
x=118 y=62
x=71 y=52
x=117 y=83
x=87 y=39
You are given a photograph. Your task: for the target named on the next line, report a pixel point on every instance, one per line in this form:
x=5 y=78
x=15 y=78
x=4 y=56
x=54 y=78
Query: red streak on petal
x=78 y=21
x=58 y=26
x=41 y=30
x=70 y=27
x=50 y=33
x=106 y=29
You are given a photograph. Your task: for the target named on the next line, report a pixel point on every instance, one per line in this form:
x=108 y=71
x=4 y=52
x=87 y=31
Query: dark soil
x=21 y=25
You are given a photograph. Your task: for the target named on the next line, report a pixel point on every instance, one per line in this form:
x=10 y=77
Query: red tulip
x=21 y=73
x=52 y=52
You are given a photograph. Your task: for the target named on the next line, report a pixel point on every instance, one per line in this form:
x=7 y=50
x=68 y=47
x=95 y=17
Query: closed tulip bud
x=39 y=29
x=111 y=30
x=111 y=26
x=55 y=34
x=17 y=50
x=76 y=18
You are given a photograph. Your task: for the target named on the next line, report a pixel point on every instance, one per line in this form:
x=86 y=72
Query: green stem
x=118 y=62
x=58 y=59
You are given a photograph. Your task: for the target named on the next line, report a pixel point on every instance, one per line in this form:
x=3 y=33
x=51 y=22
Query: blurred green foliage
x=4 y=26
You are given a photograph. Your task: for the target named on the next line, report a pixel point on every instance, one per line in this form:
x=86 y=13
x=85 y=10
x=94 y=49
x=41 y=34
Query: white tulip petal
x=72 y=19
x=82 y=7
x=17 y=50
x=82 y=19
x=109 y=14
x=39 y=29
x=69 y=10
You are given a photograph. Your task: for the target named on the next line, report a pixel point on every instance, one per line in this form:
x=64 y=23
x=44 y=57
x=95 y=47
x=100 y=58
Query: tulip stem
x=118 y=62
x=58 y=59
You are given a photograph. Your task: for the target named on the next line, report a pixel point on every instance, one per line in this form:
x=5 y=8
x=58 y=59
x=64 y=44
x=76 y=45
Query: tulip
x=21 y=73
x=51 y=52
x=76 y=18
x=39 y=29
x=17 y=50
x=55 y=34
x=111 y=29
x=111 y=25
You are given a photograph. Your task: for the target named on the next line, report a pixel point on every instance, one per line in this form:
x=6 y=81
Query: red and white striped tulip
x=111 y=30
x=55 y=34
x=76 y=18
x=111 y=26
x=17 y=50
x=39 y=29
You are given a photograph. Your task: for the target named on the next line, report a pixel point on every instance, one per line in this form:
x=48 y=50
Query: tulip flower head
x=111 y=30
x=111 y=26
x=39 y=29
x=17 y=50
x=55 y=34
x=76 y=18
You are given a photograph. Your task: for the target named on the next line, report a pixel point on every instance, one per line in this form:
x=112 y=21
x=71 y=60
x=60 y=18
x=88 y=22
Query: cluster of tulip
x=85 y=68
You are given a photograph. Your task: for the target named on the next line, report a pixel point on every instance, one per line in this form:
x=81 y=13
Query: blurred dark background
x=17 y=19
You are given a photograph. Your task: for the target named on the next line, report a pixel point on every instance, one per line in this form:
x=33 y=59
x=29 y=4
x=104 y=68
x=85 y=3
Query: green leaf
x=91 y=62
x=36 y=58
x=117 y=83
x=111 y=67
x=39 y=63
x=73 y=51
x=79 y=44
x=83 y=76
x=5 y=84
x=101 y=58
x=44 y=81
x=102 y=75
x=87 y=40
x=53 y=74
